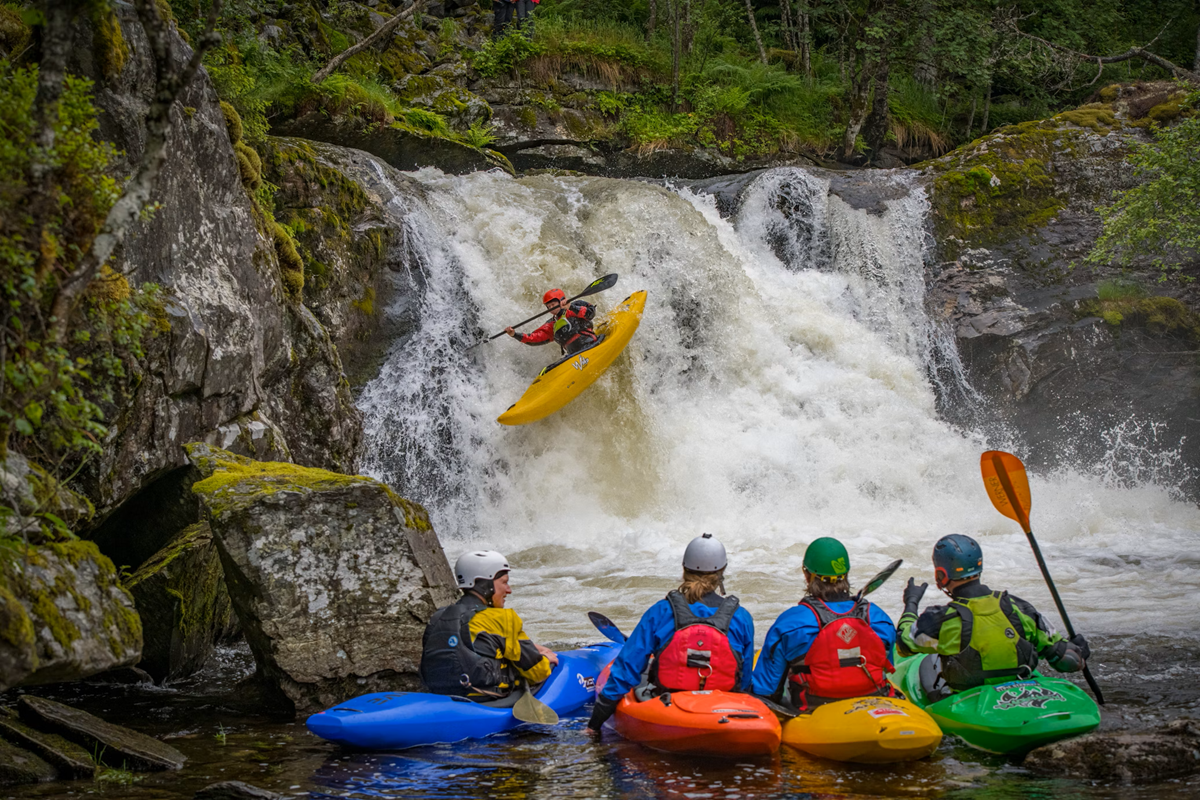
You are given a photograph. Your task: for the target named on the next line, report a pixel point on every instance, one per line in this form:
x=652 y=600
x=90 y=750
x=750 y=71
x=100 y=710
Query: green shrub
x=478 y=135
x=54 y=393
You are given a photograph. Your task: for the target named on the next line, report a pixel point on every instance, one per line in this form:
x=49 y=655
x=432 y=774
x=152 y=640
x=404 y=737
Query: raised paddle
x=598 y=285
x=878 y=580
x=529 y=709
x=606 y=627
x=1008 y=487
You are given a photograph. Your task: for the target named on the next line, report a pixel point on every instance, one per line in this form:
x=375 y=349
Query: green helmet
x=827 y=557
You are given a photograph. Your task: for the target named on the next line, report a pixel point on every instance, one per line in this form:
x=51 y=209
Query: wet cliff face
x=1013 y=215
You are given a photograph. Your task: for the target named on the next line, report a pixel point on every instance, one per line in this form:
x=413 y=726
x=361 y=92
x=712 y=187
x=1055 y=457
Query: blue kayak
x=395 y=720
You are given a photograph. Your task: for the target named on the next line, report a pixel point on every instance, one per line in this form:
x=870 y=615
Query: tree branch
x=1131 y=53
x=170 y=82
x=384 y=31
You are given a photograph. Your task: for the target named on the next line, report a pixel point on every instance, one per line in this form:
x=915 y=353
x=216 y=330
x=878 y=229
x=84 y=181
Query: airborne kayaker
x=476 y=647
x=982 y=636
x=571 y=325
x=827 y=647
x=695 y=639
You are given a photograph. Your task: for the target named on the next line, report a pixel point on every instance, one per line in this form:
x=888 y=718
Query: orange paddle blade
x=1006 y=484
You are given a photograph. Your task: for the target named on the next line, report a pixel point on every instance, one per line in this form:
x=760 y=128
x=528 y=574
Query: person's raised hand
x=510 y=332
x=913 y=594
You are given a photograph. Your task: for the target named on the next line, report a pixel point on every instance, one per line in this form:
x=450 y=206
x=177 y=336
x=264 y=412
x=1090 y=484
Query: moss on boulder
x=83 y=622
x=181 y=597
x=333 y=576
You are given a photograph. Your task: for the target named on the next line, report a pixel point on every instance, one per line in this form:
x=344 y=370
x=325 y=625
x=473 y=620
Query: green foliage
x=428 y=121
x=502 y=56
x=1157 y=221
x=1117 y=289
x=52 y=394
x=479 y=135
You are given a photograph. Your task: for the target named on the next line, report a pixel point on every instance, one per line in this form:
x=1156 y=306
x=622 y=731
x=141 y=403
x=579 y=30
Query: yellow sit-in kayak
x=872 y=730
x=563 y=381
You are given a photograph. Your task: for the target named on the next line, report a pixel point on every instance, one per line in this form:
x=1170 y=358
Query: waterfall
x=782 y=386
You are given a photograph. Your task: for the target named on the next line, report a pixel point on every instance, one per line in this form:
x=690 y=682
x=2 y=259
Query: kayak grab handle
x=728 y=717
x=1054 y=715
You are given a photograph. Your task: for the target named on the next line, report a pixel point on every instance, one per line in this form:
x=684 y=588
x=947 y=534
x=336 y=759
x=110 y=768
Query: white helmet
x=479 y=564
x=704 y=554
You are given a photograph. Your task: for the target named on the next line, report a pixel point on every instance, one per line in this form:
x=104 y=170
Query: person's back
x=982 y=636
x=828 y=647
x=665 y=630
x=477 y=647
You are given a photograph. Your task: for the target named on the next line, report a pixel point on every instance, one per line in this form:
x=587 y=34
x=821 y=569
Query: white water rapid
x=766 y=401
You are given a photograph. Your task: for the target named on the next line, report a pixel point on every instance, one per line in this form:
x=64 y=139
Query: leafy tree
x=1159 y=220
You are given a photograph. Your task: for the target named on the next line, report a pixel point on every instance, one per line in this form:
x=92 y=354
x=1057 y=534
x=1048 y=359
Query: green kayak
x=1007 y=718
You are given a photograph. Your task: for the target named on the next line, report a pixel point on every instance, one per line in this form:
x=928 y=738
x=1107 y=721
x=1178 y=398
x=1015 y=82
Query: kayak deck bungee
x=867 y=730
x=564 y=380
x=396 y=720
x=1008 y=718
x=703 y=723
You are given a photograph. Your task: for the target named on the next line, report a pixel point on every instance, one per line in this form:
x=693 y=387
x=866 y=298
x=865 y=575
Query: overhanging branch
x=384 y=30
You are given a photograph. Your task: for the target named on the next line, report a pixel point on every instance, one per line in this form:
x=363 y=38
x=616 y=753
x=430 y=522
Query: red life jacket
x=698 y=655
x=847 y=659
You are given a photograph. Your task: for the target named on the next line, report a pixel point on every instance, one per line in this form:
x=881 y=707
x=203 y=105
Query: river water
x=783 y=385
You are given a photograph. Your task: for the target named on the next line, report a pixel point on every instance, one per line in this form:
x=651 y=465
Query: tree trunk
x=860 y=106
x=879 y=122
x=987 y=110
x=805 y=40
x=762 y=52
x=689 y=28
x=971 y=118
x=786 y=26
x=675 y=54
x=653 y=19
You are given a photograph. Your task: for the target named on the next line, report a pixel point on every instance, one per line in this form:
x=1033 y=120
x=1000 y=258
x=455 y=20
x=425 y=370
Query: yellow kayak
x=564 y=380
x=871 y=730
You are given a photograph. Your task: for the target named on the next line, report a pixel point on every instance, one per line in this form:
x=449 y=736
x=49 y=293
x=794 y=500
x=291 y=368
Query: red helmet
x=554 y=294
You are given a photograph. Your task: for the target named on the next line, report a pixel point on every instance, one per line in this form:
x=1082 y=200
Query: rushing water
x=783 y=386
x=779 y=389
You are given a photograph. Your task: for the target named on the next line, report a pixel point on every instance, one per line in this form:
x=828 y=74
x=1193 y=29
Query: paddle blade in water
x=606 y=627
x=529 y=709
x=1007 y=485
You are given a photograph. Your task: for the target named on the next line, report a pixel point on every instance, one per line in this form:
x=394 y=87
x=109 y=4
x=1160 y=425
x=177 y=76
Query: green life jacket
x=994 y=647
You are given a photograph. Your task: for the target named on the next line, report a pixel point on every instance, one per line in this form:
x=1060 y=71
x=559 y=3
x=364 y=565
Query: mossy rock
x=291 y=265
x=1097 y=116
x=184 y=605
x=233 y=122
x=14 y=33
x=1004 y=185
x=71 y=760
x=108 y=41
x=249 y=165
x=19 y=766
x=116 y=746
x=83 y=622
x=1164 y=316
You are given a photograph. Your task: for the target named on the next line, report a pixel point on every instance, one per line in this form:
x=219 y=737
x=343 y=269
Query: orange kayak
x=707 y=723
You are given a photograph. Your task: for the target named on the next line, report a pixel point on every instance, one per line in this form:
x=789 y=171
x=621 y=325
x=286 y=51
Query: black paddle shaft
x=1062 y=612
x=598 y=285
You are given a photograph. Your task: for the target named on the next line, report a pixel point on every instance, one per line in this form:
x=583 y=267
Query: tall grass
x=918 y=120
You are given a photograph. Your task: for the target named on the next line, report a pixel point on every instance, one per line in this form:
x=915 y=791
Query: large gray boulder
x=181 y=597
x=63 y=615
x=332 y=576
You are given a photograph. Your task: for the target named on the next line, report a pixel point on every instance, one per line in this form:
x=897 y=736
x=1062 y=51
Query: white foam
x=768 y=403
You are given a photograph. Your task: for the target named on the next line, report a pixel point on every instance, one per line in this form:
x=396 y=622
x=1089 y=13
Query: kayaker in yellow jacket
x=476 y=647
x=981 y=636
